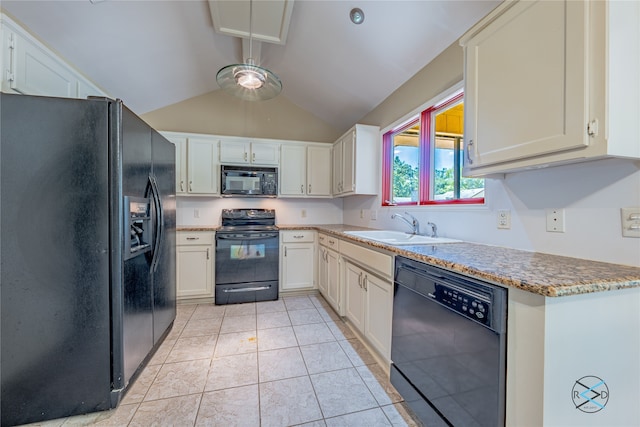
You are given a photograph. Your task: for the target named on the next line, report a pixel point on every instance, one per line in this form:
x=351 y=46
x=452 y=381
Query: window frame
x=424 y=116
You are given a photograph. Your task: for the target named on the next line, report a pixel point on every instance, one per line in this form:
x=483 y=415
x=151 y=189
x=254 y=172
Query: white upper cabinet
x=242 y=151
x=196 y=164
x=30 y=68
x=356 y=161
x=551 y=82
x=305 y=170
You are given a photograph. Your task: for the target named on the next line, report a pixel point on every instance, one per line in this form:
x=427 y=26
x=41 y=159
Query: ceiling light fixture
x=249 y=81
x=356 y=15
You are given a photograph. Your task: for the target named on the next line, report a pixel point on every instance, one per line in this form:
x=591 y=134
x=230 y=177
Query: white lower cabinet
x=194 y=264
x=297 y=260
x=369 y=305
x=329 y=271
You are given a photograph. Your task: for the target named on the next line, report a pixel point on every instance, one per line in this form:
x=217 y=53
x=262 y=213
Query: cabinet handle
x=469 y=145
x=285 y=251
x=301 y=188
x=360 y=279
x=309 y=189
x=364 y=282
x=207 y=253
x=193 y=238
x=253 y=156
x=190 y=185
x=245 y=156
x=299 y=236
x=182 y=185
x=332 y=242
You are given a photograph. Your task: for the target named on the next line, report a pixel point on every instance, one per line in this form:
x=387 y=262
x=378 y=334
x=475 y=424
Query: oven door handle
x=252 y=289
x=262 y=236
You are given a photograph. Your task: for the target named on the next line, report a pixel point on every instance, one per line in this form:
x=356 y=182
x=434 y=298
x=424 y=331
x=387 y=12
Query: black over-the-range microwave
x=249 y=181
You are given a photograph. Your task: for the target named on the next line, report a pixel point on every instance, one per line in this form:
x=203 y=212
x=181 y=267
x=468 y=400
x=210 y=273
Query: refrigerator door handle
x=159 y=220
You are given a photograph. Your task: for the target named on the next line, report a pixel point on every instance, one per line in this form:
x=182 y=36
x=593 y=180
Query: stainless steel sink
x=399 y=238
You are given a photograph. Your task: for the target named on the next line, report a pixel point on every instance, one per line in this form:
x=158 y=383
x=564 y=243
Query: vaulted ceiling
x=154 y=53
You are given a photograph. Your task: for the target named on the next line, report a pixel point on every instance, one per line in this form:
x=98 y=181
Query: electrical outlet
x=555 y=220
x=196 y=213
x=504 y=219
x=630 y=222
x=303 y=213
x=361 y=213
x=374 y=214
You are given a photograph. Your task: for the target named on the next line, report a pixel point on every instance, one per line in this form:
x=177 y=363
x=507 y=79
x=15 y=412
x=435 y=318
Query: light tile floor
x=278 y=363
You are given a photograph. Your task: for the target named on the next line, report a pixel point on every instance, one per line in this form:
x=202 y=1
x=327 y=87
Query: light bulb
x=249 y=79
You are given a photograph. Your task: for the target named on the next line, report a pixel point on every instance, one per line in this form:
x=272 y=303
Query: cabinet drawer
x=194 y=237
x=297 y=236
x=372 y=260
x=329 y=241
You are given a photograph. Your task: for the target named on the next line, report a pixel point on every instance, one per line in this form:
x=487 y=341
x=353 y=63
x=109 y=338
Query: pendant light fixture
x=249 y=81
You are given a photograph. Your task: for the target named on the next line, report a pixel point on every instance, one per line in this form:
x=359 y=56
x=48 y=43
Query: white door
x=297 y=265
x=379 y=305
x=202 y=166
x=181 y=163
x=525 y=83
x=292 y=170
x=337 y=168
x=323 y=270
x=235 y=151
x=333 y=280
x=264 y=153
x=194 y=270
x=354 y=309
x=319 y=171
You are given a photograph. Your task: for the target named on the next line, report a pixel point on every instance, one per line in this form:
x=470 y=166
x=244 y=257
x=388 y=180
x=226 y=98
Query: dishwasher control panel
x=465 y=303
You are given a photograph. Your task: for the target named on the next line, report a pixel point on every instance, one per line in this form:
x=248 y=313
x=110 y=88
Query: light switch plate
x=630 y=222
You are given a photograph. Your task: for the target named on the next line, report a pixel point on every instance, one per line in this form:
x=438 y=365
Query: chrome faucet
x=415 y=225
x=434 y=229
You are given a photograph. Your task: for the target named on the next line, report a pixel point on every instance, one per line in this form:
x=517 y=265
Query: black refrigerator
x=87 y=244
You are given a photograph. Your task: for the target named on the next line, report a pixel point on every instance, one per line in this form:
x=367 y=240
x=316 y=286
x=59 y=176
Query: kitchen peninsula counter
x=539 y=273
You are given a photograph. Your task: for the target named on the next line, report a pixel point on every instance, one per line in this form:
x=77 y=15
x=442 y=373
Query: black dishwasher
x=448 y=346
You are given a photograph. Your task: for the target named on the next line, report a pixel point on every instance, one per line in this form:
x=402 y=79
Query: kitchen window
x=423 y=157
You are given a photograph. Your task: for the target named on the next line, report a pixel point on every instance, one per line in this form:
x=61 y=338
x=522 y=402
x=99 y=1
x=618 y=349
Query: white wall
x=288 y=211
x=591 y=193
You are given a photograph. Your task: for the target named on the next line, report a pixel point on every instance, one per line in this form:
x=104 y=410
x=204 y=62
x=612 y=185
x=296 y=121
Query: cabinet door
x=235 y=152
x=202 y=166
x=354 y=292
x=265 y=153
x=337 y=168
x=323 y=271
x=37 y=73
x=181 y=163
x=348 y=163
x=333 y=280
x=525 y=83
x=297 y=266
x=318 y=171
x=379 y=303
x=194 y=271
x=292 y=170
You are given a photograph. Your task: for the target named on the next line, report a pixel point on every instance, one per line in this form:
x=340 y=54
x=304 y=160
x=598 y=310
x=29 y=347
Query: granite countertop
x=544 y=274
x=539 y=273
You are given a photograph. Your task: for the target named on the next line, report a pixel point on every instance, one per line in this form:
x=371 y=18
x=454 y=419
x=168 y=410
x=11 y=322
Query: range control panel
x=467 y=304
